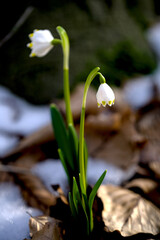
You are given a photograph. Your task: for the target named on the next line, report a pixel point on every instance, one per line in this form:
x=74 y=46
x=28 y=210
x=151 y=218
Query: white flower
x=40 y=42
x=105 y=95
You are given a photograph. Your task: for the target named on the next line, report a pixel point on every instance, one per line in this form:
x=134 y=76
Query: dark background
x=105 y=33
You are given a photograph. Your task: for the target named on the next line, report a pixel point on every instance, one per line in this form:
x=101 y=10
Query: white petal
x=105 y=94
x=40 y=42
x=42 y=36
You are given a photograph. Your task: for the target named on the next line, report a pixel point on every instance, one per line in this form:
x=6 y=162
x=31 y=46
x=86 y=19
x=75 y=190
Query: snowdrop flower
x=41 y=42
x=105 y=95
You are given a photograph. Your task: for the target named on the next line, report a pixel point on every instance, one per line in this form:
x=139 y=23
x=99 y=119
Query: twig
x=18 y=24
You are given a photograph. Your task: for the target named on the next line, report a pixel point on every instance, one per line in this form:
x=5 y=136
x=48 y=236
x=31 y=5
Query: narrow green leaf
x=92 y=196
x=73 y=140
x=76 y=194
x=85 y=157
x=61 y=156
x=71 y=204
x=91 y=220
x=81 y=184
x=85 y=207
x=95 y=189
x=61 y=135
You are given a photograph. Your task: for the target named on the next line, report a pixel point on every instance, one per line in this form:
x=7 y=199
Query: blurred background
x=105 y=33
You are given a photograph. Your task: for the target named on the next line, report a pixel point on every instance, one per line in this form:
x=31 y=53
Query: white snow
x=13 y=213
x=153 y=36
x=139 y=92
x=17 y=117
x=20 y=117
x=52 y=172
x=7 y=143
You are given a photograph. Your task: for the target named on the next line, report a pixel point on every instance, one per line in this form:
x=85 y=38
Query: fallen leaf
x=128 y=212
x=44 y=228
x=76 y=102
x=146 y=185
x=148 y=125
x=121 y=148
x=103 y=122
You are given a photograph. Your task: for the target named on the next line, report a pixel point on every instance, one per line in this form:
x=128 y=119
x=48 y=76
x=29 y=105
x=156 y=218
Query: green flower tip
x=52 y=105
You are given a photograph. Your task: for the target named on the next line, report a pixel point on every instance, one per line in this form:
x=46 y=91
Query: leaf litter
x=127 y=140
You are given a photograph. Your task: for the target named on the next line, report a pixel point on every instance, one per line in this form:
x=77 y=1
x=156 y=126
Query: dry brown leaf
x=146 y=185
x=122 y=148
x=103 y=122
x=76 y=102
x=148 y=125
x=44 y=228
x=128 y=212
x=35 y=193
x=40 y=137
x=148 y=188
x=155 y=167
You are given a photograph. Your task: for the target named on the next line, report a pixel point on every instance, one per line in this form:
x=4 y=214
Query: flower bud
x=105 y=95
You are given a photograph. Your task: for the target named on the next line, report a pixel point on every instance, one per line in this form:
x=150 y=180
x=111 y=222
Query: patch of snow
x=7 y=143
x=51 y=172
x=138 y=92
x=13 y=213
x=156 y=77
x=153 y=36
x=115 y=175
x=20 y=117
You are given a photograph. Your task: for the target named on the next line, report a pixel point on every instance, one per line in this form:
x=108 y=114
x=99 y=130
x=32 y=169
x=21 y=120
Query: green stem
x=65 y=48
x=56 y=41
x=90 y=78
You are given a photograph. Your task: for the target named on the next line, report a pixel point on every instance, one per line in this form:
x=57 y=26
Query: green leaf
x=73 y=140
x=71 y=204
x=95 y=189
x=76 y=193
x=85 y=157
x=81 y=184
x=61 y=156
x=61 y=135
x=92 y=196
x=85 y=207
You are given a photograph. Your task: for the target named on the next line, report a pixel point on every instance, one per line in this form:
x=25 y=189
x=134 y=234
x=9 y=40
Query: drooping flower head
x=41 y=42
x=105 y=95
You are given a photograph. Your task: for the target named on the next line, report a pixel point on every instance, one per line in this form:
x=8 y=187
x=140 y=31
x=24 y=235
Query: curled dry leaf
x=128 y=212
x=44 y=228
x=146 y=187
